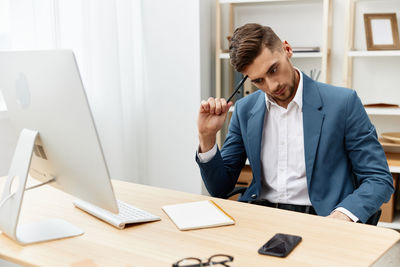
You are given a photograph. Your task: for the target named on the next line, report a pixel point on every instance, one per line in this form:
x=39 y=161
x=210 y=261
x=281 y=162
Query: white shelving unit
x=393 y=225
x=351 y=51
x=383 y=111
x=394 y=169
x=389 y=53
x=250 y=1
x=307 y=55
x=224 y=56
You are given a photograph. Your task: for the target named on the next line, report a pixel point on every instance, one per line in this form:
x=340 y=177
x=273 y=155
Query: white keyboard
x=127 y=214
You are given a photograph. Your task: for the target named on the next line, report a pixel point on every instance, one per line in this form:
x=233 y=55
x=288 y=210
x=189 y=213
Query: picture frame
x=381 y=31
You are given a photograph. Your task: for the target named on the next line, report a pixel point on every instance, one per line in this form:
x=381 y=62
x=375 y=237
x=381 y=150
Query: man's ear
x=287 y=48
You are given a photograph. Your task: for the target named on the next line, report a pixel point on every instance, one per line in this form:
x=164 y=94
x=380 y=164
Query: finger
x=218 y=106
x=204 y=107
x=211 y=103
x=230 y=104
x=224 y=106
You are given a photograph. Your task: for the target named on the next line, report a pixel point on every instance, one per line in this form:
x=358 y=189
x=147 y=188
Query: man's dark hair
x=247 y=43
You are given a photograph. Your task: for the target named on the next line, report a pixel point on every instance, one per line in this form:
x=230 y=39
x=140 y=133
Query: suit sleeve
x=220 y=174
x=373 y=180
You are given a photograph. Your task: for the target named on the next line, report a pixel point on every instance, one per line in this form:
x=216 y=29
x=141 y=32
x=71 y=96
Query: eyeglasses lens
x=220 y=260
x=190 y=262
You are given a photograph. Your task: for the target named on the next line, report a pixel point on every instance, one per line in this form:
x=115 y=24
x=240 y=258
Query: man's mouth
x=281 y=91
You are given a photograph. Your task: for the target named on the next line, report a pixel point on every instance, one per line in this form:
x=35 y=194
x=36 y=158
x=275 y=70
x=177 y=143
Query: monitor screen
x=43 y=91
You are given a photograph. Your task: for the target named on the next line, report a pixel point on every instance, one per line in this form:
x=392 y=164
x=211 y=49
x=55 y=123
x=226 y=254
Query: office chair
x=373 y=220
x=237 y=190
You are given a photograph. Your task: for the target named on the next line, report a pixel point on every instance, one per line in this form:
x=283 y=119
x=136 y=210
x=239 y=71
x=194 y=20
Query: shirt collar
x=298 y=98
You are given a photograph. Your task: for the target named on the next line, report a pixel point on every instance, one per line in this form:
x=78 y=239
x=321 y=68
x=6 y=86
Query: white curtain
x=106 y=36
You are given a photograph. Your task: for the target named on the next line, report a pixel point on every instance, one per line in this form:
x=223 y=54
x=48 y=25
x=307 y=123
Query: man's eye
x=274 y=70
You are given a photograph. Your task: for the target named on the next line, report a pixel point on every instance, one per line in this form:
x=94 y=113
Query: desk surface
x=326 y=242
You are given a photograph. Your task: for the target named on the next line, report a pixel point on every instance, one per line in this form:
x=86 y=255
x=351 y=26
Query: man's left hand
x=339 y=215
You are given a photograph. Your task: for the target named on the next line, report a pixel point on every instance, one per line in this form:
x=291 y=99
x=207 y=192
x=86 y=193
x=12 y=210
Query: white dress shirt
x=283 y=167
x=283 y=170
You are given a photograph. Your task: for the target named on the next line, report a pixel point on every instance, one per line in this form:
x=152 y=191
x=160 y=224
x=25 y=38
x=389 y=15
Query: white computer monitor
x=43 y=92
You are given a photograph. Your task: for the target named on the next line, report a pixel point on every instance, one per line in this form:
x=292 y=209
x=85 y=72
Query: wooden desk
x=326 y=242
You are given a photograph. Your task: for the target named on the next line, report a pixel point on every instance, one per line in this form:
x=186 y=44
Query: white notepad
x=196 y=215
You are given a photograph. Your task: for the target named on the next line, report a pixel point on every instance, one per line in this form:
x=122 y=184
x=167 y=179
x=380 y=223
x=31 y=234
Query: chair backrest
x=238 y=190
x=373 y=220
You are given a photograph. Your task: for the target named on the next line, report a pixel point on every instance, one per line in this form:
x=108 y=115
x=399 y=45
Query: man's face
x=273 y=73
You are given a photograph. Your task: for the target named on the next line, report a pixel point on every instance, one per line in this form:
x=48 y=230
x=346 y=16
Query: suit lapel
x=313 y=119
x=254 y=134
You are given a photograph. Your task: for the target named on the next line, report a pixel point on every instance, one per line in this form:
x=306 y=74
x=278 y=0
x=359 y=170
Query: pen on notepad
x=237 y=88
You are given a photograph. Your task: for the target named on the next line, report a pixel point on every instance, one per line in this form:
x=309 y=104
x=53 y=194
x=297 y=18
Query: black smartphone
x=280 y=245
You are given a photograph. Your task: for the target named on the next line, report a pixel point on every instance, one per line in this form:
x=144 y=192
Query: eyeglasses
x=214 y=260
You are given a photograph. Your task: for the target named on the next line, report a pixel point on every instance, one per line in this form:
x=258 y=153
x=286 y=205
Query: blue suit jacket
x=345 y=163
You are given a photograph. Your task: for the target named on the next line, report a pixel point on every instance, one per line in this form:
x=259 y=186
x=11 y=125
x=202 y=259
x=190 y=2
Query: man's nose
x=273 y=86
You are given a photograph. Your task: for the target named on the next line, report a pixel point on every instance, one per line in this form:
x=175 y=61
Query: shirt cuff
x=207 y=156
x=348 y=213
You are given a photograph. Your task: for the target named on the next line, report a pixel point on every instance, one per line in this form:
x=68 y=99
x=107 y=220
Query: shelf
x=393 y=162
x=250 y=1
x=386 y=53
x=383 y=111
x=395 y=224
x=224 y=55
x=260 y=1
x=394 y=169
x=306 y=54
x=295 y=55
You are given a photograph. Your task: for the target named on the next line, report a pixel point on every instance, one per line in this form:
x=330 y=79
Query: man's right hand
x=212 y=116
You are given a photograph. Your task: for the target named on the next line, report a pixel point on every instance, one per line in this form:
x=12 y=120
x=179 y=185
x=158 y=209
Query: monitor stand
x=11 y=202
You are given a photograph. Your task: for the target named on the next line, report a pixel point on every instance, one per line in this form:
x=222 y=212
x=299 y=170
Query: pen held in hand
x=237 y=88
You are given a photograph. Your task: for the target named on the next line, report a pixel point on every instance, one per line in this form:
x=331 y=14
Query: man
x=311 y=146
